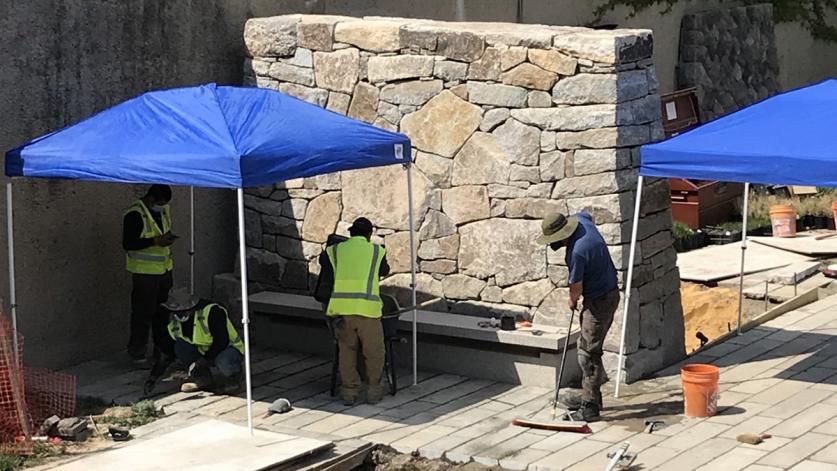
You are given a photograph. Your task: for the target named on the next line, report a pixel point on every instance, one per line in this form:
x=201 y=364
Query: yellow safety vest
x=357 y=264
x=201 y=336
x=152 y=260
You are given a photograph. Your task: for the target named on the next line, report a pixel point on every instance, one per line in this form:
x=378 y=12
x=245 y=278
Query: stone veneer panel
x=508 y=122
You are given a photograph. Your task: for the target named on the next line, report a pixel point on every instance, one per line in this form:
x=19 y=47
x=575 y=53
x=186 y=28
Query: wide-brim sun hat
x=556 y=227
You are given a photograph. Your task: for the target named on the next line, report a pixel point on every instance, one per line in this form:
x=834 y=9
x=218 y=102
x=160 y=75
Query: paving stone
x=653 y=457
x=805 y=419
x=416 y=440
x=797 y=450
x=752 y=425
x=694 y=435
x=700 y=453
x=756 y=385
x=736 y=459
x=780 y=392
x=598 y=461
x=474 y=448
x=809 y=465
x=568 y=456
x=829 y=427
x=557 y=442
x=758 y=467
x=521 y=460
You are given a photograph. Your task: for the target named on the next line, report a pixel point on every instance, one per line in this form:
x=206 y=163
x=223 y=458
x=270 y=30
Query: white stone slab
x=804 y=243
x=212 y=444
x=718 y=262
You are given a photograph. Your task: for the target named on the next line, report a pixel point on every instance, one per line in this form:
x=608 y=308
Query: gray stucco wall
x=62 y=61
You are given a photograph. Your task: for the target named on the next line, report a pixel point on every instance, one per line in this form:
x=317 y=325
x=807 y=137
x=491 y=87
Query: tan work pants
x=366 y=334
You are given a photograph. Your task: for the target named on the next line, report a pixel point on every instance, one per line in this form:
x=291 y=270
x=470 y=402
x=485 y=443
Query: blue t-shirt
x=588 y=259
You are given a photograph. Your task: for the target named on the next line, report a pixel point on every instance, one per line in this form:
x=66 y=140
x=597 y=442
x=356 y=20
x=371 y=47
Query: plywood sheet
x=208 y=445
x=804 y=243
x=719 y=262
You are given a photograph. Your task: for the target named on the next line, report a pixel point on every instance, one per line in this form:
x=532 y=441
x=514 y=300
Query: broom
x=565 y=422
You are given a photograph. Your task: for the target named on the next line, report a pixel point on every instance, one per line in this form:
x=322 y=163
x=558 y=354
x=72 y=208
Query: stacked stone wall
x=508 y=122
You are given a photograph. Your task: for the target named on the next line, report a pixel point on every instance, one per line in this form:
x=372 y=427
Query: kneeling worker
x=205 y=339
x=355 y=304
x=593 y=277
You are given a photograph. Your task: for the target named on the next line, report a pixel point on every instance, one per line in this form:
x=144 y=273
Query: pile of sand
x=711 y=311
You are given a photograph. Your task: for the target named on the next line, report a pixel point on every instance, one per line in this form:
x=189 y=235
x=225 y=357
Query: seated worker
x=350 y=276
x=204 y=338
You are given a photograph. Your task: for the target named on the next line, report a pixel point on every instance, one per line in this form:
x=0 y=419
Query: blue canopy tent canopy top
x=787 y=139
x=210 y=136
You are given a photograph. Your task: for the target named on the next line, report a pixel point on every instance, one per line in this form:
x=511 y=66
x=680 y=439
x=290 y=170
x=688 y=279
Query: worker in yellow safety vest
x=354 y=305
x=203 y=338
x=146 y=239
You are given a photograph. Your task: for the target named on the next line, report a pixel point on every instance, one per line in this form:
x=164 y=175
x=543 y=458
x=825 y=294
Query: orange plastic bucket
x=700 y=390
x=783 y=219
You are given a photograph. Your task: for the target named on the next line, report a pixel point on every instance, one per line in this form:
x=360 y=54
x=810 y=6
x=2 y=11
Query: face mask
x=158 y=208
x=182 y=317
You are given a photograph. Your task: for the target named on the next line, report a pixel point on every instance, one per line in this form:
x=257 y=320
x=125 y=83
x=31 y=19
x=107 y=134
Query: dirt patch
x=710 y=311
x=387 y=459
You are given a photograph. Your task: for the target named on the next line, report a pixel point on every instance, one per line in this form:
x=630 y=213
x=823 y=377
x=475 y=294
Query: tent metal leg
x=245 y=308
x=628 y=283
x=192 y=240
x=411 y=224
x=743 y=252
x=12 y=289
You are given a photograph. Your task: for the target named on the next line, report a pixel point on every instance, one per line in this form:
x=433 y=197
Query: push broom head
x=557 y=425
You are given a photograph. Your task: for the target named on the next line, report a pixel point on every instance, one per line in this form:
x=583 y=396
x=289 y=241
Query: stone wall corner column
x=620 y=366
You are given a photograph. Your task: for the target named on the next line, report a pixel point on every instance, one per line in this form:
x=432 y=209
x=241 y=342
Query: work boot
x=230 y=385
x=374 y=395
x=589 y=412
x=571 y=401
x=348 y=401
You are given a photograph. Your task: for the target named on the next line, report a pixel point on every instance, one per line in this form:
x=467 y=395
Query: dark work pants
x=596 y=318
x=147 y=293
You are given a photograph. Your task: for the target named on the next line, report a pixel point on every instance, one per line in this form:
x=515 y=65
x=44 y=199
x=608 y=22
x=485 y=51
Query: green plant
x=680 y=230
x=811 y=14
x=11 y=462
x=142 y=413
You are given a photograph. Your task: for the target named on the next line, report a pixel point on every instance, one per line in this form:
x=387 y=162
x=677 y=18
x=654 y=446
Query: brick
x=568 y=456
x=700 y=454
x=654 y=457
x=827 y=454
x=809 y=465
x=803 y=422
x=780 y=392
x=738 y=458
x=694 y=436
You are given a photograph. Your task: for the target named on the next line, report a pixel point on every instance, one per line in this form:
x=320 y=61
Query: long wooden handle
x=408 y=309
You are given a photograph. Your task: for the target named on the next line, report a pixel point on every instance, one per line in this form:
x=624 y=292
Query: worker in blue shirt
x=592 y=278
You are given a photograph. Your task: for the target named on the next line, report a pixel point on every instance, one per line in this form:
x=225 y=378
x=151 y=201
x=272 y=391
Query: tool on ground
x=507 y=322
x=489 y=324
x=826 y=235
x=96 y=427
x=566 y=421
x=418 y=306
x=651 y=425
x=621 y=457
x=119 y=434
x=753 y=438
x=279 y=406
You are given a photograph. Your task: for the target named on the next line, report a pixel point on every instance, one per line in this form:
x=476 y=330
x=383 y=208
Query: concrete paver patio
x=779 y=378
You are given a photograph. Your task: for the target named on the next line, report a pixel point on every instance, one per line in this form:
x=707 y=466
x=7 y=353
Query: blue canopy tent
x=787 y=139
x=209 y=136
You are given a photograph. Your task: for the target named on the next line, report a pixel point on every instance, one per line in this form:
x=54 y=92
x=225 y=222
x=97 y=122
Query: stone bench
x=449 y=343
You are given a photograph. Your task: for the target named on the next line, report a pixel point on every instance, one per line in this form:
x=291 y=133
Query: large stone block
x=416 y=37
x=488 y=67
x=611 y=208
x=605 y=46
x=506 y=191
x=415 y=92
x=592 y=161
x=380 y=195
x=481 y=161
x=595 y=185
x=466 y=203
x=375 y=36
x=539 y=190
x=427 y=288
x=553 y=61
x=558 y=275
x=316 y=32
x=445 y=247
x=436 y=168
x=271 y=37
x=534 y=208
x=292 y=73
x=573 y=118
x=632 y=332
x=364 y=106
x=442 y=125
x=338 y=102
x=552 y=165
x=504 y=248
x=398 y=251
x=460 y=46
x=436 y=224
x=520 y=142
x=462 y=287
x=282 y=226
x=529 y=76
x=263 y=205
x=553 y=310
x=539 y=100
x=640 y=111
x=497 y=95
x=525 y=173
x=252 y=229
x=294 y=208
x=450 y=71
x=391 y=68
x=439 y=267
x=651 y=325
x=264 y=266
x=512 y=56
x=673 y=330
x=322 y=217
x=311 y=95
x=585 y=89
x=529 y=293
x=657 y=243
x=324 y=181
x=620 y=254
x=624 y=136
x=337 y=71
x=295 y=249
x=493 y=118
x=486 y=310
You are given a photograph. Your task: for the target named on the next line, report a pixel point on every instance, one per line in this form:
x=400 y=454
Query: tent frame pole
x=191 y=240
x=743 y=252
x=10 y=231
x=628 y=282
x=245 y=308
x=411 y=227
